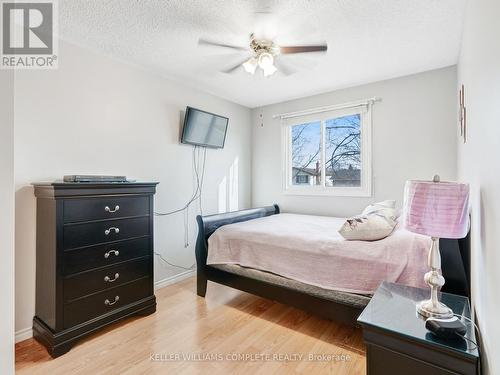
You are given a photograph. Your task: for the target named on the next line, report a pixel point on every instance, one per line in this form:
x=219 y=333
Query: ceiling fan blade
x=303 y=49
x=283 y=67
x=234 y=67
x=202 y=41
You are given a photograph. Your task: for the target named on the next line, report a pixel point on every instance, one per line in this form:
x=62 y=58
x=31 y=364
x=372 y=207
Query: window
x=343 y=151
x=302 y=179
x=328 y=153
x=306 y=145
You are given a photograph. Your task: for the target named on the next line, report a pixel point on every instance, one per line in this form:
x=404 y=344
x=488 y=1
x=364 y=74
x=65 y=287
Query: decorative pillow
x=376 y=222
x=367 y=228
x=385 y=208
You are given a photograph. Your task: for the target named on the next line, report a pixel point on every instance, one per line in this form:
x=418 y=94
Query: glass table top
x=393 y=309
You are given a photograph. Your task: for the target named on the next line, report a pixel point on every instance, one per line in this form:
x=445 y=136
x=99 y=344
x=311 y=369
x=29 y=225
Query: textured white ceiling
x=367 y=40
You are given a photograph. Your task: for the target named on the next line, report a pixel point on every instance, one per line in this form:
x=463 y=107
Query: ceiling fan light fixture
x=266 y=60
x=264 y=52
x=269 y=71
x=251 y=65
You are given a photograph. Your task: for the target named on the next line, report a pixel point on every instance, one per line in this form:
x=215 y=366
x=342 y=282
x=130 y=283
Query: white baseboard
x=27 y=333
x=24 y=334
x=174 y=279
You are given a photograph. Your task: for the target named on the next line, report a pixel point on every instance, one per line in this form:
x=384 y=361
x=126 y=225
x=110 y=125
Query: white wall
x=414 y=128
x=478 y=164
x=95 y=115
x=7 y=221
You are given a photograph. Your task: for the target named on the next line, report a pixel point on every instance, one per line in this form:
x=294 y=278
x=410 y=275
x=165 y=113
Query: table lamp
x=439 y=210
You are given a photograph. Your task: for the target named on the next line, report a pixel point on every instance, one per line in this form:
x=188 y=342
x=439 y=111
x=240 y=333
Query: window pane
x=306 y=147
x=343 y=151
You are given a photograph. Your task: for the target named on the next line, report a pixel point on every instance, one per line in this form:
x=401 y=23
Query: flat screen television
x=203 y=128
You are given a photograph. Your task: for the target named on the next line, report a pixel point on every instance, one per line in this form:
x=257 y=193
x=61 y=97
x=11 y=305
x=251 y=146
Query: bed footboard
x=207 y=225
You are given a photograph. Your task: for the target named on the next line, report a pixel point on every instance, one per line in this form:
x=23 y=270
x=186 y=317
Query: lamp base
x=430 y=308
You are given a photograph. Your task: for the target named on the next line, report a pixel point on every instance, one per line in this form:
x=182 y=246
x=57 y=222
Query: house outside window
x=328 y=153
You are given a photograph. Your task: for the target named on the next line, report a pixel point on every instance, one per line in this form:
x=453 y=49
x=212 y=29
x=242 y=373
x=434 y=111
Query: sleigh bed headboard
x=210 y=223
x=455 y=260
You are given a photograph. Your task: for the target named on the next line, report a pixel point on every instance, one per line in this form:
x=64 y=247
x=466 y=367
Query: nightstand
x=397 y=341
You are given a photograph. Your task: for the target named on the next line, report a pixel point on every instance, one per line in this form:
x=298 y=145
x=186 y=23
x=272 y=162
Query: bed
x=256 y=249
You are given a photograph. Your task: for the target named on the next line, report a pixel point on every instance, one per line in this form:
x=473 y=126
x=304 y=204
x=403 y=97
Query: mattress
x=308 y=249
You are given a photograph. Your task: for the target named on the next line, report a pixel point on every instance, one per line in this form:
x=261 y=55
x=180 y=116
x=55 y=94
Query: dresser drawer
x=87 y=209
x=78 y=235
x=84 y=309
x=89 y=282
x=87 y=258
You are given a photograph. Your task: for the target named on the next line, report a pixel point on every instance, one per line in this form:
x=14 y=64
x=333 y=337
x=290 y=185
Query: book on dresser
x=94 y=258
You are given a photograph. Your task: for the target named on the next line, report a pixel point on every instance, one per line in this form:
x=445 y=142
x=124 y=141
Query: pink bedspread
x=308 y=249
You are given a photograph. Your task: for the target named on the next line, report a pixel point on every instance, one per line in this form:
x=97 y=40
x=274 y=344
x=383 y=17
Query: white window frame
x=365 y=189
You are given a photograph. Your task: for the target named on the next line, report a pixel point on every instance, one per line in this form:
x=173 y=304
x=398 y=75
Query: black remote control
x=446 y=328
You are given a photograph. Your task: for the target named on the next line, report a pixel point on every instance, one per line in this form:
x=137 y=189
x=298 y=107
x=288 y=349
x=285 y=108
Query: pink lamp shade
x=437 y=209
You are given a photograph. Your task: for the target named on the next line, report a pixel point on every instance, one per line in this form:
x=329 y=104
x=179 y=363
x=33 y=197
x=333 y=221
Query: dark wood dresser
x=94 y=258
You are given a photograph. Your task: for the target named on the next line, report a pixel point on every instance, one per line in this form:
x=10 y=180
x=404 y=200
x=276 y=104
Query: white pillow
x=384 y=208
x=367 y=228
x=390 y=203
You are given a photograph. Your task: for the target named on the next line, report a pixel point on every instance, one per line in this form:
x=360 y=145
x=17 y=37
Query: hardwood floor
x=227 y=323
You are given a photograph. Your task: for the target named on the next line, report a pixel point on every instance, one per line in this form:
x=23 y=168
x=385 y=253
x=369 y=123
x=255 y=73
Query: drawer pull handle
x=107 y=302
x=116 y=252
x=109 y=280
x=107 y=209
x=108 y=231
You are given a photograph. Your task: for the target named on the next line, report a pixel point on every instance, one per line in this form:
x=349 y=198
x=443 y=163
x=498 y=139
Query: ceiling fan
x=264 y=54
